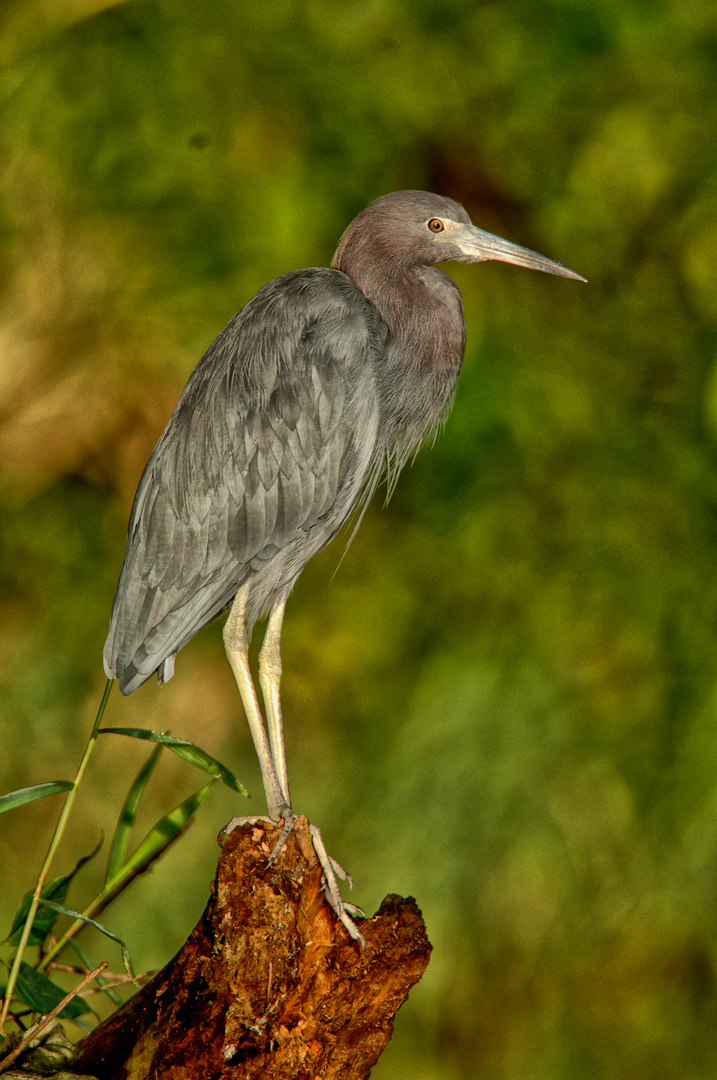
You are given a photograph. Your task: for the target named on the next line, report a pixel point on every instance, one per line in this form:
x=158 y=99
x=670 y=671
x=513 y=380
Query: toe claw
x=352 y=928
x=286 y=815
x=354 y=910
x=289 y=819
x=237 y=821
x=331 y=888
x=341 y=873
x=331 y=868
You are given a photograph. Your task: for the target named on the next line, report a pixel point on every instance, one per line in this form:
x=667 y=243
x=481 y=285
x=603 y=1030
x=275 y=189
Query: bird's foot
x=285 y=814
x=289 y=817
x=235 y=822
x=330 y=867
x=332 y=870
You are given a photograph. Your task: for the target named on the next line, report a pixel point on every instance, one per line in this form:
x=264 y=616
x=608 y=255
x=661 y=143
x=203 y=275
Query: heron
x=321 y=386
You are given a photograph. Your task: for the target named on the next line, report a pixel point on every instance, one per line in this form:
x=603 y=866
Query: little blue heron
x=325 y=382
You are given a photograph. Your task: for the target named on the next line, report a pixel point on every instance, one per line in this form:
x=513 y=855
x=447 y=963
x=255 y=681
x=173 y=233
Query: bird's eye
x=436 y=225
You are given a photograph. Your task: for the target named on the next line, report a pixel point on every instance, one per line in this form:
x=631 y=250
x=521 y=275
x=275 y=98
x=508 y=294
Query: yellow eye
x=436 y=225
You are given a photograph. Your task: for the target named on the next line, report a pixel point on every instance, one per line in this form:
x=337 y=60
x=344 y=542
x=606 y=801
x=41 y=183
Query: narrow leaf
x=29 y=794
x=120 y=839
x=162 y=834
x=45 y=918
x=168 y=829
x=189 y=751
x=41 y=994
x=62 y=910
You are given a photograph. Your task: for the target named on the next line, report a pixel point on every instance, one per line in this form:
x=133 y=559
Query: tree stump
x=269 y=983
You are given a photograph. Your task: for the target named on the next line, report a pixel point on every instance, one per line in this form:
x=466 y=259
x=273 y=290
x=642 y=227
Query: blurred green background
x=503 y=702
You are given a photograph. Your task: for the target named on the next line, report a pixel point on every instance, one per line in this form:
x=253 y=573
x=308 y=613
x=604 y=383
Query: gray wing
x=265 y=455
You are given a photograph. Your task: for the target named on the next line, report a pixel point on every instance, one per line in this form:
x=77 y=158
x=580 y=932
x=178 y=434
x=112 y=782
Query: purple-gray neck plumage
x=422 y=309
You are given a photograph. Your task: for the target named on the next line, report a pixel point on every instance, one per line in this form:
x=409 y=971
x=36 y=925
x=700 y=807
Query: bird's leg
x=270 y=678
x=273 y=761
x=236 y=644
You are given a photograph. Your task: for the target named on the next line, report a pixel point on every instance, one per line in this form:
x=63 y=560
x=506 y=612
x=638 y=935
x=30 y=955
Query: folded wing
x=264 y=457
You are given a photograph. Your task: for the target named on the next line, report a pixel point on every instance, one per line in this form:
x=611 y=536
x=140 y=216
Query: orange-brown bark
x=269 y=983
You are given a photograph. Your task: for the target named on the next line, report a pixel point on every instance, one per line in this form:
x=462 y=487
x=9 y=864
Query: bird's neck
x=422 y=310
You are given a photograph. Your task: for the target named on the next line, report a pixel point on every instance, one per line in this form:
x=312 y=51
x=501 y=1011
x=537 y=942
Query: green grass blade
x=54 y=844
x=165 y=832
x=126 y=819
x=29 y=794
x=41 y=994
x=62 y=910
x=189 y=751
x=44 y=919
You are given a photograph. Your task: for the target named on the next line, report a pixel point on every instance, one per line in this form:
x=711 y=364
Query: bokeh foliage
x=504 y=701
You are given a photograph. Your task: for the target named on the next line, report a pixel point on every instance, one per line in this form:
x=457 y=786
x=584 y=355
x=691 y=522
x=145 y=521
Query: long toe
x=237 y=821
x=340 y=872
x=331 y=886
x=289 y=818
x=286 y=815
x=354 y=909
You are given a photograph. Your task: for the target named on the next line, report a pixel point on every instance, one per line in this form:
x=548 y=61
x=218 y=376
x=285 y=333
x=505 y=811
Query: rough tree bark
x=269 y=983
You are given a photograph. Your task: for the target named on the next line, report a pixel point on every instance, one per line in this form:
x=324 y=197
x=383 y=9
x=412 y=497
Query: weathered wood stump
x=269 y=983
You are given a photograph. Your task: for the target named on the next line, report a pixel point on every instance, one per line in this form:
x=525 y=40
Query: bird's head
x=417 y=228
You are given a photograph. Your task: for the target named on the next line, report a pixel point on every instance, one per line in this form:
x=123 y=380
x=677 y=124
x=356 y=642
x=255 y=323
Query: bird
x=324 y=384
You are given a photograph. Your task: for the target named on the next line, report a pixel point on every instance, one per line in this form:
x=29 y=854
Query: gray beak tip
x=565 y=272
x=479 y=246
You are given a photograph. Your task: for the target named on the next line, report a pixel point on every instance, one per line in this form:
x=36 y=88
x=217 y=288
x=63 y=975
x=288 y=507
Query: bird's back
x=268 y=450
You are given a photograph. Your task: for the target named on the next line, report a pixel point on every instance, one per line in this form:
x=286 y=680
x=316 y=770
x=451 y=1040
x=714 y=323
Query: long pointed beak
x=479 y=246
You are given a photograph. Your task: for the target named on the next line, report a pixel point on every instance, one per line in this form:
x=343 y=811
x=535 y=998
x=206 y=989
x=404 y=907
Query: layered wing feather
x=267 y=451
